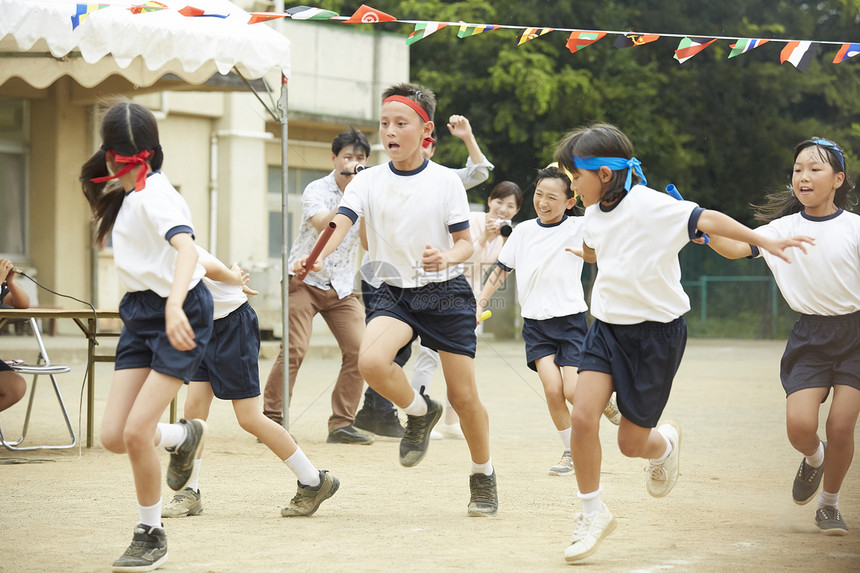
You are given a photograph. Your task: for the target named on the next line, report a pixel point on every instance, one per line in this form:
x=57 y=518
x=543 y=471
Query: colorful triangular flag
x=467 y=30
x=532 y=33
x=310 y=13
x=744 y=45
x=150 y=6
x=631 y=39
x=690 y=46
x=192 y=12
x=579 y=39
x=799 y=54
x=367 y=15
x=422 y=30
x=845 y=52
x=257 y=17
x=84 y=10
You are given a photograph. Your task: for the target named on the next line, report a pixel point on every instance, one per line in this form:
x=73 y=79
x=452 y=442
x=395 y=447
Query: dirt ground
x=731 y=510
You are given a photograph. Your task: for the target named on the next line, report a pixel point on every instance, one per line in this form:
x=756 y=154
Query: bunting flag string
x=799 y=53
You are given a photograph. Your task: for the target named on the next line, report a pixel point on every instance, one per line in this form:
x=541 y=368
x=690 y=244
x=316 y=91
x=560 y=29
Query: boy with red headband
x=417 y=218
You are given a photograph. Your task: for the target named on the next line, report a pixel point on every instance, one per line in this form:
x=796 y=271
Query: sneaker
x=308 y=499
x=591 y=529
x=348 y=435
x=182 y=456
x=564 y=467
x=147 y=552
x=806 y=482
x=484 y=499
x=365 y=419
x=829 y=521
x=453 y=431
x=186 y=502
x=661 y=477
x=416 y=438
x=612 y=413
x=388 y=425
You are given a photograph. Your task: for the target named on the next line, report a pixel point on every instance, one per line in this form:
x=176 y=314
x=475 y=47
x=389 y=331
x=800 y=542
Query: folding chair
x=43 y=367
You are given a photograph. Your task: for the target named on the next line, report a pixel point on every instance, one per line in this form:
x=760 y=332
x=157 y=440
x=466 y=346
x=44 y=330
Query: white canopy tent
x=38 y=45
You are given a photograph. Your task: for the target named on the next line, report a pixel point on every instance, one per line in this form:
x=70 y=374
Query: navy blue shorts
x=442 y=314
x=560 y=335
x=143 y=342
x=367 y=294
x=231 y=361
x=822 y=351
x=642 y=360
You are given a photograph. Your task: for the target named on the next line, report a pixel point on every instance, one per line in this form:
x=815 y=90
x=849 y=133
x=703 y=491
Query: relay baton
x=315 y=252
x=485 y=315
x=675 y=194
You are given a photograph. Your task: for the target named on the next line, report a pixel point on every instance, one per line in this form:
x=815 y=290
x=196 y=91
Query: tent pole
x=285 y=250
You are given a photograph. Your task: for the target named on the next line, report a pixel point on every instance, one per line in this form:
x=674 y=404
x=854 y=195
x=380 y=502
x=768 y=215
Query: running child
x=166 y=313
x=552 y=302
x=417 y=218
x=823 y=350
x=230 y=372
x=635 y=344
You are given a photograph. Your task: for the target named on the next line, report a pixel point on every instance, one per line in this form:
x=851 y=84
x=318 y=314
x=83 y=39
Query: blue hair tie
x=832 y=147
x=632 y=166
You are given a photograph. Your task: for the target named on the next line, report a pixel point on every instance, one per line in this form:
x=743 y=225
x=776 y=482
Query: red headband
x=131 y=161
x=418 y=109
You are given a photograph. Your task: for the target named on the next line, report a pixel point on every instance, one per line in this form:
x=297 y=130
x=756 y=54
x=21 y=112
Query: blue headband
x=615 y=164
x=832 y=147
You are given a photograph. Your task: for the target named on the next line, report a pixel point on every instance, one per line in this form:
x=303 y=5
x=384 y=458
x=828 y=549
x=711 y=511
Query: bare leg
x=593 y=390
x=463 y=394
x=12 y=389
x=801 y=419
x=383 y=337
x=554 y=390
x=841 y=423
x=253 y=421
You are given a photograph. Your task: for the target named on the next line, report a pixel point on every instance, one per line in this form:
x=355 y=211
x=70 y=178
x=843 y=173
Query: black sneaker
x=484 y=501
x=147 y=552
x=416 y=437
x=348 y=435
x=182 y=456
x=829 y=521
x=388 y=425
x=806 y=482
x=365 y=419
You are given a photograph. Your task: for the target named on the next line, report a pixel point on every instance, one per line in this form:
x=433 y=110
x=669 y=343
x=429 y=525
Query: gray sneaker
x=416 y=438
x=147 y=552
x=182 y=456
x=829 y=521
x=184 y=503
x=484 y=501
x=564 y=467
x=806 y=482
x=308 y=499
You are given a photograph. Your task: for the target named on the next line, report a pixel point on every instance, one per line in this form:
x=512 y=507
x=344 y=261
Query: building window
x=14 y=155
x=298 y=180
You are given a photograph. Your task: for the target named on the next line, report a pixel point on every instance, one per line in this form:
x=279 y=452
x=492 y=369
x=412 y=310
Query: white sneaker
x=591 y=529
x=611 y=412
x=184 y=503
x=660 y=478
x=452 y=431
x=564 y=467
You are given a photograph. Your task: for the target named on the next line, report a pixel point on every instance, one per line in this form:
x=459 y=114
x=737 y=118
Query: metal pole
x=285 y=250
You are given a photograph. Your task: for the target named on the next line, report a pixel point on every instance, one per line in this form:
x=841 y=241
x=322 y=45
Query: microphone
x=358 y=169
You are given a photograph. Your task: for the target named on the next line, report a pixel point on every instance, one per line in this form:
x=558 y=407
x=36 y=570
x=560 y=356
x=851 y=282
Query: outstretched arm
x=716 y=223
x=459 y=126
x=494 y=281
x=729 y=248
x=586 y=253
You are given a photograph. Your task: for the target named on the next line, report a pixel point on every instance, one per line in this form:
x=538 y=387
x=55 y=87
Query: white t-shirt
x=826 y=280
x=406 y=210
x=548 y=277
x=225 y=297
x=637 y=242
x=338 y=272
x=146 y=222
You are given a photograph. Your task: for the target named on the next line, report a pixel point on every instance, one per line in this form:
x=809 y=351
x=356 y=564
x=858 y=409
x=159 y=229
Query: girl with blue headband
x=823 y=350
x=635 y=344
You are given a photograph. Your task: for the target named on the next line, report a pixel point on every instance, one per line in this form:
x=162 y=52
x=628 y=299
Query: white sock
x=827 y=498
x=171 y=435
x=485 y=468
x=665 y=455
x=565 y=439
x=418 y=407
x=151 y=515
x=590 y=501
x=195 y=476
x=816 y=459
x=305 y=471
